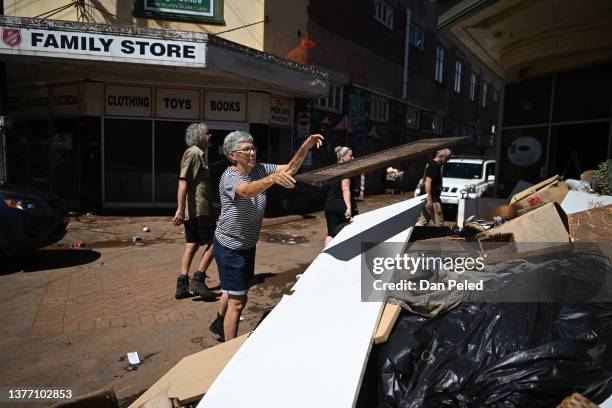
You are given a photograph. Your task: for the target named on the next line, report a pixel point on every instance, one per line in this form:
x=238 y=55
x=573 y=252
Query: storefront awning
x=51 y=50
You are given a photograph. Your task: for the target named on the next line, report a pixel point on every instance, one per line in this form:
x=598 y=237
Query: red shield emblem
x=11 y=36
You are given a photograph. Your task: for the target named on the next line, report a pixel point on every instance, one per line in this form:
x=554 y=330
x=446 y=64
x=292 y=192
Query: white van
x=464 y=177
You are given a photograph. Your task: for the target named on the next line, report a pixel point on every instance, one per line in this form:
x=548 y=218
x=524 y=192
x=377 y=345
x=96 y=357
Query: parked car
x=29 y=219
x=464 y=178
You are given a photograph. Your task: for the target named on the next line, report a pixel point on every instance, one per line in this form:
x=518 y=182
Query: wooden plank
x=389 y=316
x=311 y=350
x=374 y=161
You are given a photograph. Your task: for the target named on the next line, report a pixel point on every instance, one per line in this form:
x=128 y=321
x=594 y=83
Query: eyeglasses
x=247 y=150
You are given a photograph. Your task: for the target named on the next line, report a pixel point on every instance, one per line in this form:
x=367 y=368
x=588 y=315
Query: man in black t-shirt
x=432 y=183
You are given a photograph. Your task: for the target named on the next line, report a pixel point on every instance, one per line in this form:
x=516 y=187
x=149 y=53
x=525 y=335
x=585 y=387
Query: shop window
x=417 y=37
x=201 y=11
x=128 y=161
x=38 y=152
x=439 y=71
x=64 y=163
x=458 y=76
x=379 y=109
x=528 y=102
x=412 y=118
x=333 y=100
x=473 y=81
x=383 y=13
x=169 y=148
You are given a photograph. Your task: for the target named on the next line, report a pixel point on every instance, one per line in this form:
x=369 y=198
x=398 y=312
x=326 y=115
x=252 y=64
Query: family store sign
x=90 y=46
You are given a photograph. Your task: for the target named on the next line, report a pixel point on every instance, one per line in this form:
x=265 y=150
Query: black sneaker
x=199 y=287
x=217 y=328
x=182 y=287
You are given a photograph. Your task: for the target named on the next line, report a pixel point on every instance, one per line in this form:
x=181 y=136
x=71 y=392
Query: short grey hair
x=233 y=139
x=194 y=133
x=444 y=153
x=341 y=151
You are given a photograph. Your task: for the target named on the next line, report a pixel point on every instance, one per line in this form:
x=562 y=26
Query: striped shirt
x=240 y=221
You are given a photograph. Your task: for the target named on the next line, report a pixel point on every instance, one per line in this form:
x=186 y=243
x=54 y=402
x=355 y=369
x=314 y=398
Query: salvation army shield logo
x=11 y=36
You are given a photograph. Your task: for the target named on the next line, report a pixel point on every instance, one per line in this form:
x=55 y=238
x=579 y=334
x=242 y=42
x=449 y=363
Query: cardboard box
x=545 y=224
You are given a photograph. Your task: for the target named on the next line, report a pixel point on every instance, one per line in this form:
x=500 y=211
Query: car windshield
x=462 y=170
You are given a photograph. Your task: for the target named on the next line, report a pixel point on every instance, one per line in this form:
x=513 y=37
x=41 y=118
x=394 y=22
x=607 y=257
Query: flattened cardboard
x=191 y=377
x=533 y=189
x=591 y=225
x=552 y=193
x=545 y=224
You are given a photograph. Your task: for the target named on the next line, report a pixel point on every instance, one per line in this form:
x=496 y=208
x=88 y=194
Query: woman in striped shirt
x=242 y=189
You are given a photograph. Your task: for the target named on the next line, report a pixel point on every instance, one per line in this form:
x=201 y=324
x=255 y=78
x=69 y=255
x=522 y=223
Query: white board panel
x=312 y=348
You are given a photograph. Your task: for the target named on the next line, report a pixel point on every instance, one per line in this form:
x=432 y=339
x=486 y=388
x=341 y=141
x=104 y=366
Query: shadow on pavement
x=43 y=260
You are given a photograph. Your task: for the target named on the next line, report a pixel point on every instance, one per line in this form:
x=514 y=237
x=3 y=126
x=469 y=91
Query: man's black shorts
x=200 y=230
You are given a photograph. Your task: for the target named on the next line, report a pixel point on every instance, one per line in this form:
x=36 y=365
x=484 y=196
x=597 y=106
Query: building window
x=439 y=72
x=495 y=95
x=333 y=100
x=437 y=125
x=417 y=37
x=412 y=118
x=383 y=13
x=379 y=109
x=473 y=80
x=483 y=100
x=458 y=76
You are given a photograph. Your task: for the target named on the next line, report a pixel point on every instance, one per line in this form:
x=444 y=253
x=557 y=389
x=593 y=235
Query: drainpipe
x=406 y=52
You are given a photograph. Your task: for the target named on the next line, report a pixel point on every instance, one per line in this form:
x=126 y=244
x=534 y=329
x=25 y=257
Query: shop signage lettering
x=228 y=106
x=38 y=102
x=174 y=103
x=280 y=112
x=83 y=45
x=35 y=102
x=128 y=101
x=101 y=44
x=225 y=106
x=63 y=100
x=178 y=103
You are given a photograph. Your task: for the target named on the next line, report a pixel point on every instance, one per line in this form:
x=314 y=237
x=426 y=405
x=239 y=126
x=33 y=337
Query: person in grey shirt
x=243 y=201
x=194 y=211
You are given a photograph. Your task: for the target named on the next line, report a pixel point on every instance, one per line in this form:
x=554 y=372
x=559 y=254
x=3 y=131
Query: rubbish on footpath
x=145 y=229
x=133 y=357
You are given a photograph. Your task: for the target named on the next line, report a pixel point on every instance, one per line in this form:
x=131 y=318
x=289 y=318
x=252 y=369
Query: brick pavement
x=109 y=298
x=112 y=293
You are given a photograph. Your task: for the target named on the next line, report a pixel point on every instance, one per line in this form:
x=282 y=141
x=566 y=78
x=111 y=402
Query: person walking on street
x=432 y=183
x=340 y=205
x=242 y=189
x=195 y=212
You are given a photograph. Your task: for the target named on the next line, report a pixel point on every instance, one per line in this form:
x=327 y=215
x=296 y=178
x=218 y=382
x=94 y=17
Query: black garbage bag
x=498 y=355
